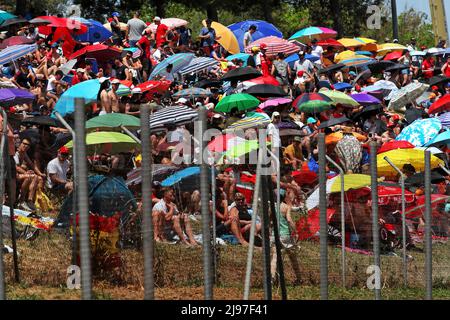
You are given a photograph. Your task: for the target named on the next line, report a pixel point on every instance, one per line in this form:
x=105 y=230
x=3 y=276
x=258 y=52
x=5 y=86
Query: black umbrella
x=332 y=68
x=10 y=22
x=208 y=84
x=266 y=90
x=396 y=67
x=418 y=179
x=241 y=74
x=438 y=80
x=367 y=110
x=366 y=74
x=334 y=122
x=379 y=66
x=42 y=121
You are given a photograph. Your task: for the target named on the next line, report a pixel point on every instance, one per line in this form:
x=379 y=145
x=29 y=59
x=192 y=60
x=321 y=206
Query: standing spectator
x=184 y=40
x=406 y=73
x=281 y=71
x=446 y=68
x=303 y=64
x=103 y=97
x=114 y=97
x=316 y=51
x=115 y=29
x=248 y=35
x=263 y=62
x=145 y=45
x=135 y=27
x=273 y=134
x=428 y=67
x=161 y=32
x=207 y=37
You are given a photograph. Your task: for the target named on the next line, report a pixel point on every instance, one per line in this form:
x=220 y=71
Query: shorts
x=221 y=230
x=58 y=188
x=406 y=71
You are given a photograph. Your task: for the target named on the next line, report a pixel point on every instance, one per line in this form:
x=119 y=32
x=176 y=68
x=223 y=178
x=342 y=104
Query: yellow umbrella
x=373 y=47
x=348 y=42
x=347 y=54
x=386 y=47
x=227 y=38
x=123 y=26
x=366 y=40
x=400 y=157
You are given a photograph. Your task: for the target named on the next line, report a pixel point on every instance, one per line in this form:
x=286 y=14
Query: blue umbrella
x=11 y=97
x=364 y=53
x=198 y=64
x=421 y=131
x=16 y=52
x=179 y=176
x=242 y=56
x=294 y=57
x=178 y=61
x=6 y=16
x=443 y=138
x=96 y=31
x=342 y=86
x=263 y=29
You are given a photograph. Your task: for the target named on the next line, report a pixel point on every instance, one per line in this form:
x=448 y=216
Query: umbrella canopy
x=441 y=105
x=170 y=22
x=394 y=145
x=188 y=178
x=107 y=142
x=366 y=40
x=442 y=138
x=342 y=86
x=198 y=64
x=225 y=142
x=251 y=120
x=387 y=47
x=365 y=99
x=96 y=32
x=266 y=90
x=192 y=93
x=16 y=52
x=206 y=83
x=389 y=194
x=393 y=55
x=351 y=182
x=406 y=95
x=227 y=38
x=263 y=29
x=312 y=102
x=357 y=61
x=330 y=43
x=264 y=80
x=335 y=137
x=418 y=179
x=418 y=208
x=274 y=102
x=396 y=67
x=68 y=66
x=438 y=80
x=160 y=171
x=241 y=74
x=319 y=33
x=4 y=16
x=275 y=45
x=240 y=101
x=113 y=121
x=334 y=122
x=240 y=150
x=421 y=131
x=153 y=86
x=400 y=157
x=381 y=85
x=41 y=121
x=100 y=52
x=367 y=111
x=176 y=115
x=241 y=56
x=344 y=55
x=417 y=53
x=445 y=119
x=178 y=61
x=13 y=41
x=11 y=96
x=435 y=51
x=379 y=66
x=332 y=68
x=339 y=97
x=350 y=43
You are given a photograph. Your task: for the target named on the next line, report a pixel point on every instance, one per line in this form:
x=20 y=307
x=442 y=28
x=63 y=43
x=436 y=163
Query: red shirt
x=447 y=70
x=161 y=34
x=426 y=65
x=145 y=44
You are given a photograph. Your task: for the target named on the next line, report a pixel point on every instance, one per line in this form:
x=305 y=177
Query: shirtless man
x=113 y=97
x=103 y=96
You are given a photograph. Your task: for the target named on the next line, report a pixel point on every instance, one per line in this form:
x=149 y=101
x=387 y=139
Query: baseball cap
x=352 y=73
x=181 y=100
x=103 y=79
x=63 y=150
x=115 y=14
x=434 y=88
x=263 y=46
x=297 y=138
x=136 y=90
x=80 y=70
x=115 y=81
x=217 y=116
x=156 y=18
x=255 y=49
x=311 y=120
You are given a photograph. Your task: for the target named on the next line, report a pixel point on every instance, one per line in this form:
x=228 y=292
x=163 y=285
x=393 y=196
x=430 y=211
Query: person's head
x=297 y=140
x=314 y=42
x=129 y=55
x=408 y=169
x=169 y=67
x=280 y=56
x=311 y=122
x=115 y=84
x=157 y=20
x=263 y=47
x=406 y=52
x=395 y=41
x=208 y=22
x=24 y=145
x=413 y=41
x=181 y=101
x=239 y=199
x=137 y=14
x=168 y=195
x=63 y=153
x=80 y=72
x=59 y=75
x=301 y=55
x=115 y=15
x=252 y=28
x=276 y=117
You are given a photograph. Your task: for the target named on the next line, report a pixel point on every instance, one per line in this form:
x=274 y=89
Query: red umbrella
x=100 y=52
x=265 y=80
x=220 y=143
x=56 y=22
x=304 y=176
x=418 y=209
x=387 y=194
x=16 y=40
x=395 y=144
x=310 y=225
x=330 y=43
x=274 y=45
x=441 y=105
x=154 y=86
x=393 y=55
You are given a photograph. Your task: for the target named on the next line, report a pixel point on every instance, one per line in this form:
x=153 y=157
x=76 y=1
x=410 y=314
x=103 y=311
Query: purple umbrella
x=445 y=119
x=274 y=102
x=11 y=97
x=365 y=99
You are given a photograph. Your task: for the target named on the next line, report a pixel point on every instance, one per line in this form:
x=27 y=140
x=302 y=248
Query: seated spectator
x=57 y=170
x=239 y=209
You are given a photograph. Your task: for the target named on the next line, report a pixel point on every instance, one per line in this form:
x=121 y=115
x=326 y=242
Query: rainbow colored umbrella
x=357 y=60
x=349 y=42
x=319 y=33
x=312 y=102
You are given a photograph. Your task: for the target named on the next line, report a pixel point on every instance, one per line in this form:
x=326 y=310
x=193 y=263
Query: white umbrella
x=407 y=94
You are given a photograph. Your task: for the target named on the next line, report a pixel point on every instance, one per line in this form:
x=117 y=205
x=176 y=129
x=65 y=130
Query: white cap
x=275 y=114
x=103 y=79
x=80 y=70
x=136 y=90
x=115 y=81
x=156 y=18
x=217 y=116
x=181 y=100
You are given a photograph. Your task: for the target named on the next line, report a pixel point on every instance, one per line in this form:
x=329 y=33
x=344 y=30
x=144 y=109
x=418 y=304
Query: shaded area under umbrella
x=334 y=122
x=418 y=179
x=241 y=74
x=42 y=121
x=266 y=90
x=11 y=96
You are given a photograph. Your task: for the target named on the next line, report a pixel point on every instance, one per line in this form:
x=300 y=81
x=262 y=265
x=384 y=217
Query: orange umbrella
x=335 y=137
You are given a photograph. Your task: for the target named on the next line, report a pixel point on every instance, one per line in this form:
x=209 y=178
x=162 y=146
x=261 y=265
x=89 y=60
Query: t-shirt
x=317 y=51
x=427 y=65
x=212 y=36
x=306 y=65
x=161 y=34
x=51 y=86
x=59 y=168
x=447 y=70
x=247 y=38
x=162 y=206
x=145 y=44
x=135 y=28
x=296 y=153
x=272 y=131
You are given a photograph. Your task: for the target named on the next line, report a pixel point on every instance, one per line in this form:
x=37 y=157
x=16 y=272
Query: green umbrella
x=240 y=150
x=107 y=142
x=241 y=101
x=312 y=102
x=113 y=122
x=339 y=97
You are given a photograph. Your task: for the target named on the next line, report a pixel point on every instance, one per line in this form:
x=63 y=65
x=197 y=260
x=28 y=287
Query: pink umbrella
x=274 y=46
x=274 y=102
x=170 y=22
x=15 y=40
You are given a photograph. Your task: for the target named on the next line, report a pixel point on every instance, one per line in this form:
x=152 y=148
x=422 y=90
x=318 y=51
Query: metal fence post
x=214 y=231
x=323 y=218
x=428 y=240
x=3 y=153
x=267 y=277
x=83 y=201
x=147 y=223
x=206 y=218
x=375 y=231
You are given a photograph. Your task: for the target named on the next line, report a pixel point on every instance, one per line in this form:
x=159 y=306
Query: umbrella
x=368 y=110
x=335 y=137
x=251 y=120
x=332 y=68
x=178 y=61
x=198 y=64
x=351 y=182
x=308 y=226
x=68 y=66
x=113 y=121
x=96 y=31
x=241 y=56
x=435 y=51
x=263 y=29
x=338 y=97
x=366 y=40
x=170 y=22
x=445 y=119
x=421 y=131
x=52 y=22
x=305 y=175
x=386 y=47
x=240 y=150
x=357 y=61
x=438 y=80
x=400 y=157
x=11 y=96
x=381 y=85
x=274 y=45
x=16 y=52
x=396 y=67
x=206 y=83
x=266 y=90
x=274 y=102
x=344 y=55
x=417 y=53
x=378 y=66
x=176 y=115
x=225 y=142
x=364 y=53
x=10 y=22
x=41 y=121
x=441 y=105
x=349 y=43
x=240 y=101
x=188 y=177
x=330 y=43
x=442 y=138
x=153 y=86
x=407 y=94
x=227 y=38
x=418 y=179
x=87 y=90
x=310 y=33
x=160 y=171
x=393 y=55
x=264 y=80
x=394 y=145
x=365 y=99
x=388 y=194
x=312 y=102
x=192 y=93
x=241 y=74
x=333 y=122
x=100 y=52
x=13 y=41
x=342 y=86
x=418 y=208
x=4 y=16
x=107 y=142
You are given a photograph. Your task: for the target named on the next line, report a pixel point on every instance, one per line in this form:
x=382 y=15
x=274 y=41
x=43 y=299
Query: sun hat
x=103 y=79
x=311 y=120
x=63 y=150
x=181 y=100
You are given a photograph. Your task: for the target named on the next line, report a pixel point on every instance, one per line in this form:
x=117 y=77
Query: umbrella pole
x=341 y=173
x=129 y=133
x=402 y=182
x=2 y=191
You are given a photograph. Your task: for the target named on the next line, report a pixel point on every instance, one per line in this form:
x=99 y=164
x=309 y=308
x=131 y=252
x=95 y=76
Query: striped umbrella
x=387 y=47
x=6 y=16
x=251 y=120
x=179 y=61
x=357 y=60
x=192 y=93
x=15 y=40
x=242 y=56
x=407 y=95
x=170 y=22
x=274 y=45
x=366 y=40
x=312 y=102
x=177 y=115
x=309 y=33
x=445 y=119
x=15 y=52
x=198 y=64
